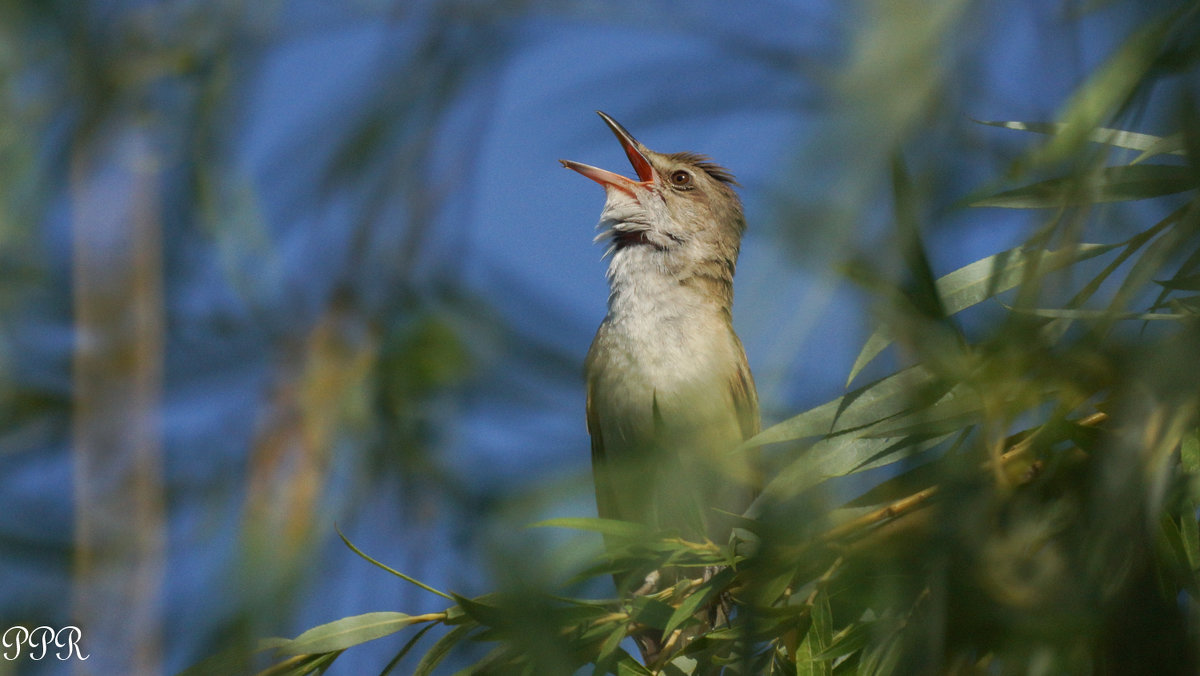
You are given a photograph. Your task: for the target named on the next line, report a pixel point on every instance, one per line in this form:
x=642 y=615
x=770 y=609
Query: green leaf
x=698 y=599
x=609 y=649
x=983 y=279
x=1172 y=145
x=1108 y=88
x=1148 y=143
x=1189 y=453
x=847 y=641
x=1111 y=184
x=955 y=410
x=925 y=472
x=1189 y=460
x=1171 y=540
x=1102 y=315
x=1189 y=532
x=651 y=612
x=310 y=664
x=1184 y=283
x=438 y=651
x=346 y=632
x=866 y=405
x=822 y=625
x=921 y=289
x=805 y=664
x=627 y=666
x=891 y=439
x=391 y=570
x=479 y=610
x=408 y=646
x=615 y=527
x=839 y=456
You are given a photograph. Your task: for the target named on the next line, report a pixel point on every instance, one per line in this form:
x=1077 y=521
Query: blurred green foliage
x=1038 y=513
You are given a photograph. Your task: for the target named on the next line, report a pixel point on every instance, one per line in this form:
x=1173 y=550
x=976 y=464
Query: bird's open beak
x=633 y=150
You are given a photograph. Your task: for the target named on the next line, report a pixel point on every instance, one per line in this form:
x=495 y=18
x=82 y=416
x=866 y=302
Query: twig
x=918 y=499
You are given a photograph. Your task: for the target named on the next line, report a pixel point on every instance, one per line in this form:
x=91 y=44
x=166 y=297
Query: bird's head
x=681 y=204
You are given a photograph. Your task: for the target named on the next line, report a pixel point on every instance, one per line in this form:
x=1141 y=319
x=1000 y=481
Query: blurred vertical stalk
x=319 y=400
x=120 y=527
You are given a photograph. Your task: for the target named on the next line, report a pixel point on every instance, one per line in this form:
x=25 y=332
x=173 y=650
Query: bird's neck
x=649 y=284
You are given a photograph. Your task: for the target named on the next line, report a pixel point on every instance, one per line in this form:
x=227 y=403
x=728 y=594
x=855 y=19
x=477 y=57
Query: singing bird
x=669 y=392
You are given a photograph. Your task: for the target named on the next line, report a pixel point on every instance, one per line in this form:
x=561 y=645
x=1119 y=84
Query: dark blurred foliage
x=205 y=360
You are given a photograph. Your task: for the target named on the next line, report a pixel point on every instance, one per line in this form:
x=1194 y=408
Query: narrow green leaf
x=891 y=439
x=985 y=278
x=1111 y=184
x=1190 y=534
x=925 y=472
x=699 y=597
x=955 y=410
x=1171 y=539
x=1114 y=137
x=1102 y=315
x=391 y=570
x=651 y=612
x=491 y=663
x=609 y=648
x=613 y=527
x=1183 y=283
x=1189 y=460
x=310 y=664
x=408 y=646
x=881 y=657
x=1168 y=145
x=849 y=640
x=839 y=456
x=822 y=625
x=1189 y=453
x=877 y=342
x=346 y=632
x=921 y=286
x=438 y=651
x=1189 y=305
x=866 y=405
x=805 y=664
x=1108 y=88
x=627 y=666
x=479 y=610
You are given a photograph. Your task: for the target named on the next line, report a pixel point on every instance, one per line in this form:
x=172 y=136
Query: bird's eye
x=681 y=179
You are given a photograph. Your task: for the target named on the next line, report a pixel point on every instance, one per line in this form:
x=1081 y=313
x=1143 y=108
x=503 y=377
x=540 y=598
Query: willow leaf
x=983 y=279
x=613 y=527
x=698 y=599
x=1106 y=90
x=346 y=632
x=864 y=406
x=1118 y=138
x=1107 y=315
x=393 y=571
x=438 y=651
x=840 y=456
x=1111 y=184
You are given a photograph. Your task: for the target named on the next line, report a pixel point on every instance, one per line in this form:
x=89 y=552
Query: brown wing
x=606 y=501
x=745 y=400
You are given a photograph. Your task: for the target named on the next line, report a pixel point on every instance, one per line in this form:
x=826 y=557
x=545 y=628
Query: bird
x=670 y=394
